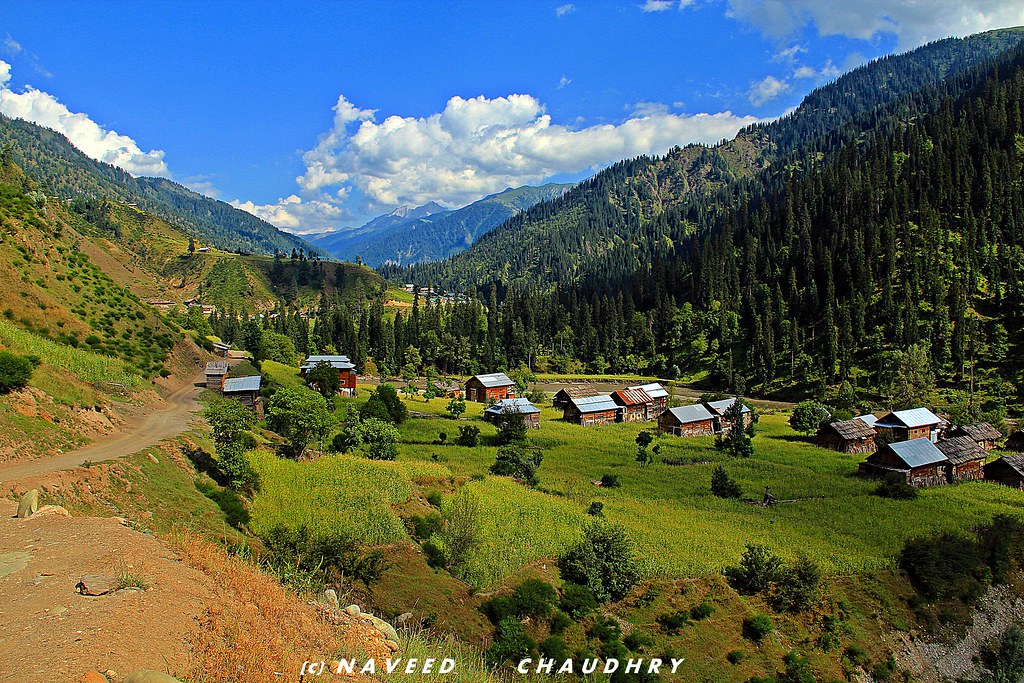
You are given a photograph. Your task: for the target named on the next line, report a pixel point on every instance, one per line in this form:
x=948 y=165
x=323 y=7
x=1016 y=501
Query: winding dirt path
x=163 y=422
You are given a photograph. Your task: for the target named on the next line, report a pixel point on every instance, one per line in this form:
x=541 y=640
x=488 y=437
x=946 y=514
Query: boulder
x=150 y=677
x=352 y=610
x=51 y=511
x=386 y=629
x=97 y=584
x=93 y=676
x=29 y=504
x=331 y=599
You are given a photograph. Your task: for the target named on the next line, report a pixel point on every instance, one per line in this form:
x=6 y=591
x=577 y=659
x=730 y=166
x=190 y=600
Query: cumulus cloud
x=767 y=89
x=825 y=73
x=913 y=22
x=664 y=5
x=643 y=108
x=84 y=133
x=567 y=8
x=477 y=146
x=295 y=215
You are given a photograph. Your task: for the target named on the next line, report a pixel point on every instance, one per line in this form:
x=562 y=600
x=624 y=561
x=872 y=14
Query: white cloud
x=643 y=108
x=567 y=8
x=295 y=215
x=478 y=146
x=825 y=73
x=788 y=54
x=767 y=89
x=84 y=133
x=913 y=22
x=657 y=5
x=562 y=82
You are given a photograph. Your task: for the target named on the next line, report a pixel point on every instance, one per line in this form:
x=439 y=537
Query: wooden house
x=966 y=459
x=221 y=349
x=847 y=436
x=695 y=420
x=984 y=434
x=216 y=371
x=514 y=406
x=1007 y=470
x=495 y=386
x=1015 y=442
x=449 y=388
x=658 y=394
x=719 y=408
x=591 y=410
x=245 y=390
x=906 y=425
x=564 y=396
x=918 y=460
x=346 y=371
x=635 y=405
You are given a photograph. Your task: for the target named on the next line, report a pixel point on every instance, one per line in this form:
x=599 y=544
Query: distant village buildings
x=495 y=386
x=346 y=371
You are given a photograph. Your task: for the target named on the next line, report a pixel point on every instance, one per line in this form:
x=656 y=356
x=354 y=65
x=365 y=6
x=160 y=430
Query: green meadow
x=679 y=528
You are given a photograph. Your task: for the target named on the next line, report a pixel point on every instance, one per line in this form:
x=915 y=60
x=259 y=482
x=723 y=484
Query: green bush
x=15 y=372
x=735 y=657
x=230 y=503
x=606 y=630
x=385 y=404
x=603 y=561
x=671 y=622
x=515 y=461
x=723 y=486
x=611 y=481
x=757 y=627
x=468 y=435
x=797 y=587
x=535 y=598
x=560 y=621
x=757 y=570
x=638 y=641
x=510 y=643
x=596 y=509
x=702 y=611
x=577 y=601
x=895 y=486
x=947 y=565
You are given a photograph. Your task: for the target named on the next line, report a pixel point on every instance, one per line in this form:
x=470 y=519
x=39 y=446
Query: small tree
x=757 y=570
x=468 y=435
x=515 y=461
x=300 y=416
x=643 y=440
x=737 y=441
x=797 y=587
x=381 y=437
x=456 y=407
x=603 y=561
x=807 y=416
x=385 y=404
x=230 y=420
x=349 y=437
x=324 y=379
x=724 y=486
x=511 y=427
x=15 y=372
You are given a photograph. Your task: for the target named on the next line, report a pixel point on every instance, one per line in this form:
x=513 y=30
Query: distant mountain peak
x=406 y=211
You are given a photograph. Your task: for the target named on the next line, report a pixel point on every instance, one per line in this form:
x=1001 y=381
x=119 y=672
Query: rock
x=153 y=458
x=97 y=584
x=332 y=599
x=386 y=629
x=402 y=618
x=150 y=677
x=352 y=610
x=92 y=676
x=51 y=511
x=29 y=504
x=111 y=674
x=392 y=645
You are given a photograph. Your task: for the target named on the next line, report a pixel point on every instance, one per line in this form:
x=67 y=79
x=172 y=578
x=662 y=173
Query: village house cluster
x=245 y=390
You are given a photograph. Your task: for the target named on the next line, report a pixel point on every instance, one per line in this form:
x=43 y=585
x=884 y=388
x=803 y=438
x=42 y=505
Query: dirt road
x=161 y=422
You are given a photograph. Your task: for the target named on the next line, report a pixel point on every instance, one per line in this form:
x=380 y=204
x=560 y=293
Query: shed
x=847 y=436
x=719 y=409
x=496 y=386
x=216 y=371
x=562 y=398
x=1015 y=442
x=658 y=393
x=221 y=349
x=1007 y=470
x=918 y=460
x=245 y=390
x=514 y=406
x=635 y=405
x=906 y=425
x=966 y=459
x=346 y=371
x=695 y=420
x=591 y=410
x=983 y=433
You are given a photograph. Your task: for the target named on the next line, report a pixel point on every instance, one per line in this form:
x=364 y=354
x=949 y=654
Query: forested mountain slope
x=63 y=171
x=618 y=219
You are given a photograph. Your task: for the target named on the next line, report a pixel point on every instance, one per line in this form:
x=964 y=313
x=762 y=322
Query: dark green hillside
x=63 y=171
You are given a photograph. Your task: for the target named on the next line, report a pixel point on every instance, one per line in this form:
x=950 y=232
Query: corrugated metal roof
x=914 y=417
x=917 y=452
x=694 y=413
x=867 y=419
x=495 y=379
x=594 y=404
x=631 y=397
x=520 y=406
x=327 y=359
x=238 y=384
x=721 y=406
x=337 y=362
x=654 y=390
x=217 y=367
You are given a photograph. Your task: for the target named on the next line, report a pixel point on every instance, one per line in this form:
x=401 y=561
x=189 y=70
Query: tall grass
x=85 y=365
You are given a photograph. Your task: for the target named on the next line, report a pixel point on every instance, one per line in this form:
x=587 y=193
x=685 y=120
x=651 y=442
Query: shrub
x=948 y=565
x=807 y=416
x=735 y=657
x=515 y=461
x=603 y=561
x=554 y=648
x=385 y=404
x=638 y=641
x=468 y=435
x=757 y=570
x=671 y=622
x=230 y=503
x=723 y=486
x=510 y=643
x=511 y=428
x=757 y=627
x=423 y=527
x=895 y=486
x=606 y=630
x=796 y=588
x=560 y=621
x=611 y=481
x=702 y=611
x=798 y=670
x=381 y=437
x=596 y=509
x=15 y=372
x=857 y=655
x=577 y=601
x=534 y=598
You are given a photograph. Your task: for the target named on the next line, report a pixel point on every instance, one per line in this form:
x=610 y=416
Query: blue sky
x=320 y=115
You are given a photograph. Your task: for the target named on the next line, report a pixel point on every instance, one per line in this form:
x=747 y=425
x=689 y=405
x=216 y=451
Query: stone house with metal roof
x=658 y=394
x=966 y=459
x=983 y=433
x=346 y=371
x=695 y=420
x=635 y=405
x=918 y=460
x=565 y=395
x=591 y=410
x=245 y=390
x=906 y=425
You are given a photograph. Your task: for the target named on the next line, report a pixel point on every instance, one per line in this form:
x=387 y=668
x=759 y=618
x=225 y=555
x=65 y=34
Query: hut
x=245 y=390
x=591 y=410
x=658 y=394
x=634 y=404
x=1007 y=470
x=449 y=388
x=918 y=460
x=495 y=386
x=719 y=410
x=514 y=406
x=346 y=371
x=1015 y=442
x=695 y=420
x=847 y=436
x=221 y=349
x=907 y=425
x=565 y=395
x=966 y=459
x=216 y=371
x=983 y=433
